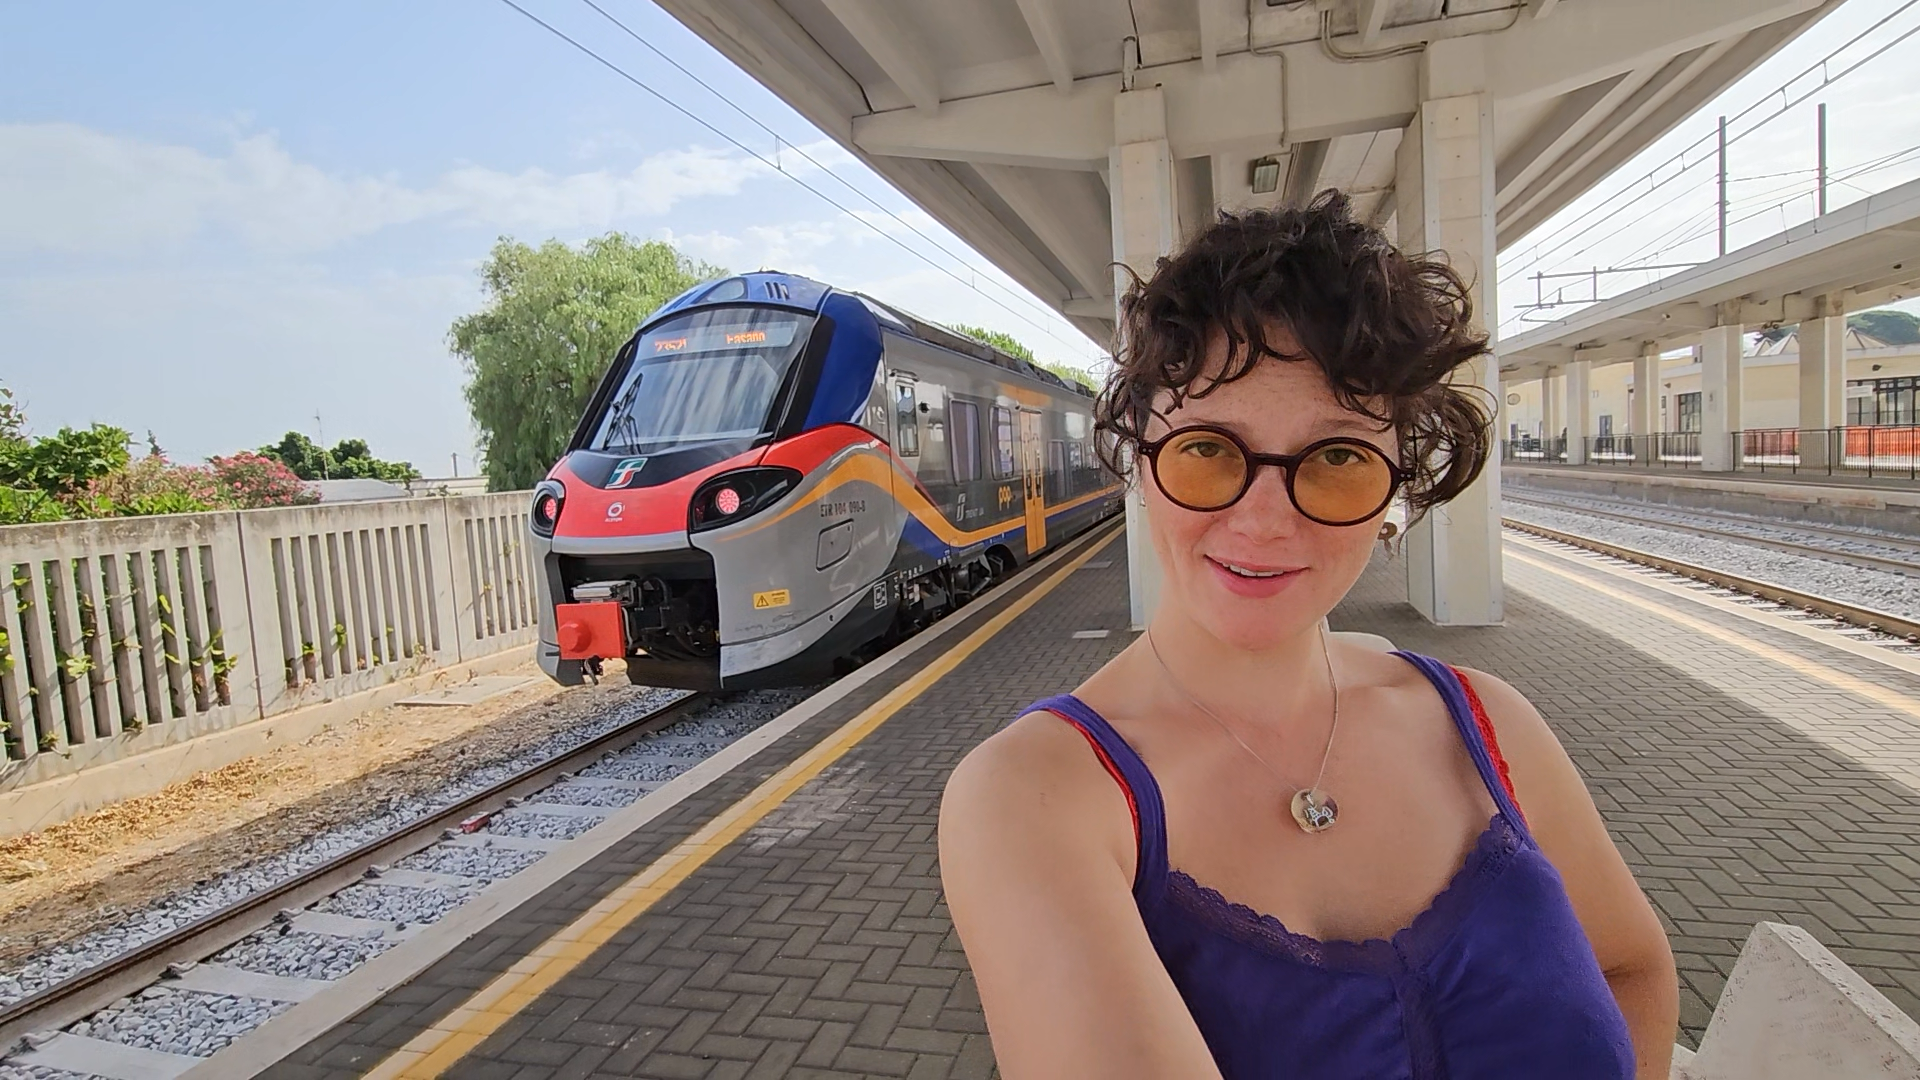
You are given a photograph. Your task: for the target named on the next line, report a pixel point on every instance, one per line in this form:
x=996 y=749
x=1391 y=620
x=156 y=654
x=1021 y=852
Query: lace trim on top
x=1408 y=949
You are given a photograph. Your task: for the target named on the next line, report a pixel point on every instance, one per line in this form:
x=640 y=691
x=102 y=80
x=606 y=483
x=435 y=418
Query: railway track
x=85 y=993
x=1866 y=618
x=1900 y=565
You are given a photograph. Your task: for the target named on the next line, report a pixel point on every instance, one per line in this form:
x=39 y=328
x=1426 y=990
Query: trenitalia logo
x=625 y=471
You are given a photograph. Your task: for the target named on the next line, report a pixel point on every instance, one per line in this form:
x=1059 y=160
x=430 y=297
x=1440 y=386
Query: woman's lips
x=1254 y=587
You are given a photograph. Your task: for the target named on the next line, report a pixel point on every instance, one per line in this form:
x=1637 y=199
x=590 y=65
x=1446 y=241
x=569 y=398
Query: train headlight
x=548 y=498
x=734 y=496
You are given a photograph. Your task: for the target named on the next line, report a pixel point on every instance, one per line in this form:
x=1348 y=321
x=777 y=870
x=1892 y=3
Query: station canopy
x=998 y=117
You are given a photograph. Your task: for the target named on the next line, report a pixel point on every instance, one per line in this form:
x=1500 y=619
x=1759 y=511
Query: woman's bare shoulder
x=1036 y=782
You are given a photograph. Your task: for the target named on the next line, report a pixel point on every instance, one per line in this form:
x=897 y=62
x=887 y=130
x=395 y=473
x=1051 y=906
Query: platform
x=783 y=918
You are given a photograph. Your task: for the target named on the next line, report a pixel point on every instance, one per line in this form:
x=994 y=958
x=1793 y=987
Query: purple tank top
x=1495 y=980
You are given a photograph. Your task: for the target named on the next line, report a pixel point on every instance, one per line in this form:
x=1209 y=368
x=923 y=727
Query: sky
x=228 y=220
x=1662 y=208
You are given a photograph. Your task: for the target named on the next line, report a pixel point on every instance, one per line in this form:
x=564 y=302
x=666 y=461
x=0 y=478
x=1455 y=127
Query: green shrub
x=23 y=507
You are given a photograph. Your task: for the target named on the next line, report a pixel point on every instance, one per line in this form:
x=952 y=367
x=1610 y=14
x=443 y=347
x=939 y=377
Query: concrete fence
x=127 y=635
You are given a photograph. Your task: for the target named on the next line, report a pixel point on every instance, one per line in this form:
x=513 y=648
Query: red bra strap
x=1113 y=770
x=1487 y=737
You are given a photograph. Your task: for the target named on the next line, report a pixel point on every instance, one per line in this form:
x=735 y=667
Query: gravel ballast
x=300 y=955
x=179 y=1021
x=1895 y=594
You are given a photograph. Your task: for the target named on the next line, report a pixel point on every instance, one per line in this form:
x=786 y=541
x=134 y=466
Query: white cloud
x=73 y=189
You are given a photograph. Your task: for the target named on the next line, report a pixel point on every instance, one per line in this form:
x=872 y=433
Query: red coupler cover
x=589 y=630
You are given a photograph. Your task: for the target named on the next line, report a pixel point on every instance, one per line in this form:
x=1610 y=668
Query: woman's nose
x=1266 y=511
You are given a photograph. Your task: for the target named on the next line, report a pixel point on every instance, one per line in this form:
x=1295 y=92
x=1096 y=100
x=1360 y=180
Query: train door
x=1033 y=479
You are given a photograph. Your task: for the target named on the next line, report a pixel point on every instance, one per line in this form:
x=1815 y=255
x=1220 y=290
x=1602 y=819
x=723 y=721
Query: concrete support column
x=1552 y=419
x=1720 y=350
x=1145 y=225
x=1823 y=367
x=1445 y=186
x=1646 y=401
x=1579 y=410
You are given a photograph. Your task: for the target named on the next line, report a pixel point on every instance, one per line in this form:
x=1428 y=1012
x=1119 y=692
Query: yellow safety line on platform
x=1840 y=680
x=452 y=1037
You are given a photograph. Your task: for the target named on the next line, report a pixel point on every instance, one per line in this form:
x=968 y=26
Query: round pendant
x=1314 y=813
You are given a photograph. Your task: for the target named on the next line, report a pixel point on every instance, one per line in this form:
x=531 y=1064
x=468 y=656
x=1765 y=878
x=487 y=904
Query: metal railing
x=1880 y=451
x=1531 y=448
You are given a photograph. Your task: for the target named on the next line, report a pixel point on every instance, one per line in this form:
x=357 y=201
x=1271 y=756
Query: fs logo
x=625 y=471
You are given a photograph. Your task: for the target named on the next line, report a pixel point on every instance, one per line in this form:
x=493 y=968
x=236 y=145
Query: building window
x=906 y=421
x=1002 y=441
x=1894 y=400
x=1606 y=425
x=1689 y=411
x=963 y=439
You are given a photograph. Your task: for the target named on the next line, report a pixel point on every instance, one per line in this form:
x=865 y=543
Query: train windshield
x=702 y=377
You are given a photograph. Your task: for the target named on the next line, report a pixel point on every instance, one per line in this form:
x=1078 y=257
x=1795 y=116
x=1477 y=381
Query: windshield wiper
x=621 y=423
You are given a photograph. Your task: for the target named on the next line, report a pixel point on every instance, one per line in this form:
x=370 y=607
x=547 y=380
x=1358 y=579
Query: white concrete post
x=1145 y=224
x=1646 y=401
x=1719 y=396
x=1551 y=417
x=1444 y=184
x=1579 y=410
x=1823 y=366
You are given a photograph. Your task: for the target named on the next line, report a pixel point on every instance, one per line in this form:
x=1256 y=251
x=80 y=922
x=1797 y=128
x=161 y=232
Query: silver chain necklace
x=1311 y=810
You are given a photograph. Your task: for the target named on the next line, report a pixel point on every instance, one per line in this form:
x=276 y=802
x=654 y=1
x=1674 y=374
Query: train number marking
x=772 y=598
x=837 y=509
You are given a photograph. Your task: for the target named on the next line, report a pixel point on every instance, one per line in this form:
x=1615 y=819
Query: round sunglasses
x=1334 y=481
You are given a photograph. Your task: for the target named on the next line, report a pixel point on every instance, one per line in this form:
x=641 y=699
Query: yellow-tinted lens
x=1342 y=483
x=1201 y=470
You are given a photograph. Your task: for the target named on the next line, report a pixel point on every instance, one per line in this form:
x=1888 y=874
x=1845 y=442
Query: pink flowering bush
x=151 y=485
x=248 y=481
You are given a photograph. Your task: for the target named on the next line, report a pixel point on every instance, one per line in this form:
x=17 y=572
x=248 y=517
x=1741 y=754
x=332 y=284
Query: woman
x=1242 y=849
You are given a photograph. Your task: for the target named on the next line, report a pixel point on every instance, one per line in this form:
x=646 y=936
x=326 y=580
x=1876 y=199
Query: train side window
x=906 y=421
x=1002 y=441
x=1057 y=470
x=963 y=439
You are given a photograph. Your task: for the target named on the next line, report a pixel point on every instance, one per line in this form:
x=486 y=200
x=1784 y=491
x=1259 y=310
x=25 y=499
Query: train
x=776 y=480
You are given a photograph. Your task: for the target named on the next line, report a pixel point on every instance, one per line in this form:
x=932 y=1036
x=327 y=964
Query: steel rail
x=1863 y=617
x=1848 y=558
x=85 y=992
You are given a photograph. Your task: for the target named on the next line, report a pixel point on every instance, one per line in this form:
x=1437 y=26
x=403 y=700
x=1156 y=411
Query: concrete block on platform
x=1791 y=1009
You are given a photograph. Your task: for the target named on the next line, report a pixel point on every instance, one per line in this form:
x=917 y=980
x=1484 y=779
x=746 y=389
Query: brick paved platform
x=1747 y=772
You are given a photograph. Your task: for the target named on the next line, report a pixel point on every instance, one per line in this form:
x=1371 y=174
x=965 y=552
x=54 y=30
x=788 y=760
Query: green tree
x=554 y=318
x=1890 y=326
x=1011 y=345
x=350 y=459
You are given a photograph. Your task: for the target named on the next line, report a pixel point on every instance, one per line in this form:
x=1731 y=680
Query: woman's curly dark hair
x=1386 y=328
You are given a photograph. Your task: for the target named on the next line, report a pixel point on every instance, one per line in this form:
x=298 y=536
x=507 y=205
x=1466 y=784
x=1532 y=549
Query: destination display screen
x=701 y=377
x=706 y=339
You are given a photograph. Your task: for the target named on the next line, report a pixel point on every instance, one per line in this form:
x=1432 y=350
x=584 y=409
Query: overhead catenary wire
x=1703 y=223
x=780 y=140
x=762 y=158
x=1783 y=91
